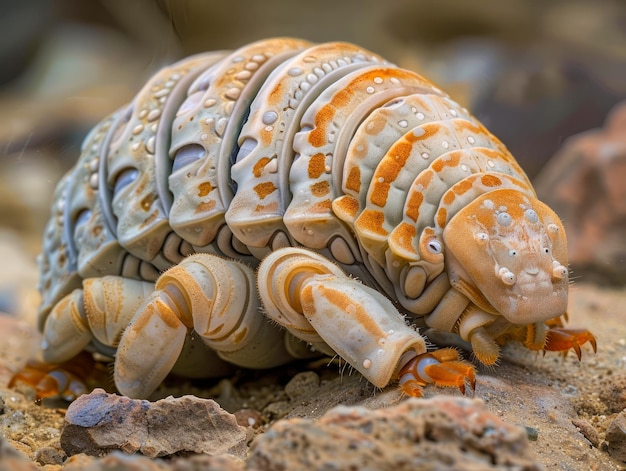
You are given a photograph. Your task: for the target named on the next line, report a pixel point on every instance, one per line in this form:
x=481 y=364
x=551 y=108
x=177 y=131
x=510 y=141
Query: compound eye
x=434 y=247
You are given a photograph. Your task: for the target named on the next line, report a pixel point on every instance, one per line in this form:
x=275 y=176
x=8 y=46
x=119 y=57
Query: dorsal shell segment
x=327 y=129
x=262 y=166
x=205 y=133
x=87 y=230
x=139 y=144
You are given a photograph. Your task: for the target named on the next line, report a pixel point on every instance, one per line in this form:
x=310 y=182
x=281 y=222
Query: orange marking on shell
x=413 y=205
x=205 y=188
x=146 y=202
x=463 y=186
x=317 y=165
x=320 y=189
x=375 y=125
x=347 y=205
x=321 y=207
x=403 y=236
x=257 y=170
x=343 y=98
x=453 y=161
x=264 y=189
x=275 y=95
x=270 y=208
x=448 y=198
x=442 y=216
x=490 y=180
x=372 y=220
x=353 y=182
x=205 y=206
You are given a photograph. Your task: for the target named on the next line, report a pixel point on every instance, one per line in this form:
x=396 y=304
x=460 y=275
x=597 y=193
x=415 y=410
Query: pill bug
x=289 y=199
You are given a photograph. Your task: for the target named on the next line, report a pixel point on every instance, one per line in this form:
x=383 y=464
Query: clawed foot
x=442 y=367
x=562 y=340
x=67 y=380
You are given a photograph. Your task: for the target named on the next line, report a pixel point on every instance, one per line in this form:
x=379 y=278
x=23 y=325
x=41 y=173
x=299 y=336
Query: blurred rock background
x=534 y=72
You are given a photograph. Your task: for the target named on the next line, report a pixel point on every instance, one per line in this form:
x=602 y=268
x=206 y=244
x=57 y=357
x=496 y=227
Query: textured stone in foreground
x=98 y=423
x=616 y=437
x=442 y=433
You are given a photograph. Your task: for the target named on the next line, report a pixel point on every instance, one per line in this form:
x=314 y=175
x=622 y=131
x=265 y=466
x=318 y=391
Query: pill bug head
x=507 y=252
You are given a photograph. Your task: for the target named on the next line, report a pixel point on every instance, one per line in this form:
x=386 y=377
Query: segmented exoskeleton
x=354 y=198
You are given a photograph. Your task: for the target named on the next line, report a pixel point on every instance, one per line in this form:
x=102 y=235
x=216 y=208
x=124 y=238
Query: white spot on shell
x=162 y=93
x=143 y=114
x=137 y=129
x=135 y=147
x=251 y=66
x=381 y=180
x=464 y=167
x=491 y=164
x=93 y=181
x=471 y=140
x=209 y=102
x=453 y=112
x=425 y=155
x=269 y=128
x=489 y=204
x=367 y=363
x=233 y=93
x=418 y=132
x=394 y=80
x=294 y=71
x=150 y=145
x=305 y=86
x=403 y=123
x=243 y=75
x=370 y=90
x=420 y=115
x=269 y=117
x=378 y=80
x=204 y=136
x=445 y=144
x=154 y=115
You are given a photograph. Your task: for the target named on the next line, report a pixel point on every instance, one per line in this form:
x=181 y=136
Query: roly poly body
x=281 y=173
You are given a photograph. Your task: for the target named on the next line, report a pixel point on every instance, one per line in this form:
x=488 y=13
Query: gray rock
x=442 y=433
x=13 y=460
x=616 y=437
x=99 y=422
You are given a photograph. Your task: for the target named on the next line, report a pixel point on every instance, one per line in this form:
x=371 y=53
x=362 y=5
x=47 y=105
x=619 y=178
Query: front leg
x=317 y=302
x=554 y=337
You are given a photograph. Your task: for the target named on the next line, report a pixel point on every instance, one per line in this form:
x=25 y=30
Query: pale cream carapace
x=371 y=198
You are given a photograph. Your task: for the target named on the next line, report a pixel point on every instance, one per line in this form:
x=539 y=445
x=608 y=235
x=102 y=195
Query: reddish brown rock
x=99 y=422
x=441 y=433
x=585 y=183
